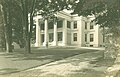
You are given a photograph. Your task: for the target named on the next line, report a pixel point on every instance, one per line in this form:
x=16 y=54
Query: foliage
x=106 y=12
x=107 y=15
x=48 y=8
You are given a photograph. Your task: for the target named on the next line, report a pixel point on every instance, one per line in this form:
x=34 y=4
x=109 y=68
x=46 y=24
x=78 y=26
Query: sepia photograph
x=59 y=38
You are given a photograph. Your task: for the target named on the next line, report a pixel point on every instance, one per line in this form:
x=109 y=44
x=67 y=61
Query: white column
x=38 y=34
x=65 y=33
x=46 y=33
x=80 y=35
x=96 y=36
x=88 y=39
x=72 y=32
x=55 y=33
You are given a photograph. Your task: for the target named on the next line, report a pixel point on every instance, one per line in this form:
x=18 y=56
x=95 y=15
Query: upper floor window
x=75 y=24
x=68 y=24
x=91 y=37
x=85 y=25
x=50 y=25
x=74 y=36
x=42 y=26
x=59 y=23
x=91 y=25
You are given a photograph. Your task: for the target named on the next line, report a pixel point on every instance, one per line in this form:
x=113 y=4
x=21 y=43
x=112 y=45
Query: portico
x=53 y=33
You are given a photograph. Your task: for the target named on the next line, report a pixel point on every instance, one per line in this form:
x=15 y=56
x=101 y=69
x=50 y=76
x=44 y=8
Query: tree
x=26 y=10
x=107 y=15
x=7 y=18
x=12 y=17
x=106 y=12
x=46 y=8
x=1 y=29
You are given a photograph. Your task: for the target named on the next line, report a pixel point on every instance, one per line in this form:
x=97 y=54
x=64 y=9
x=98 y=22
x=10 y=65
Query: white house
x=69 y=30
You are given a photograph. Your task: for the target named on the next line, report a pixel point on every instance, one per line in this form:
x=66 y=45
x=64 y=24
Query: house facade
x=68 y=30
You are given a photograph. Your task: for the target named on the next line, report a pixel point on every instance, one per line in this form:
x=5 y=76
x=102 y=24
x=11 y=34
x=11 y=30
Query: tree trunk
x=27 y=39
x=30 y=33
x=8 y=33
x=26 y=25
x=8 y=28
x=8 y=38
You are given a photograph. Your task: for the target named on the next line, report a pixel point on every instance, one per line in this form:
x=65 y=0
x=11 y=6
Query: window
x=42 y=38
x=91 y=25
x=103 y=38
x=68 y=24
x=85 y=37
x=91 y=45
x=85 y=25
x=59 y=23
x=75 y=24
x=75 y=37
x=59 y=36
x=50 y=25
x=42 y=26
x=91 y=38
x=50 y=37
x=34 y=21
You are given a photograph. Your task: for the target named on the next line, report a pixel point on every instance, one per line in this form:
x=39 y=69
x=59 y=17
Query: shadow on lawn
x=8 y=70
x=102 y=62
x=43 y=54
x=51 y=55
